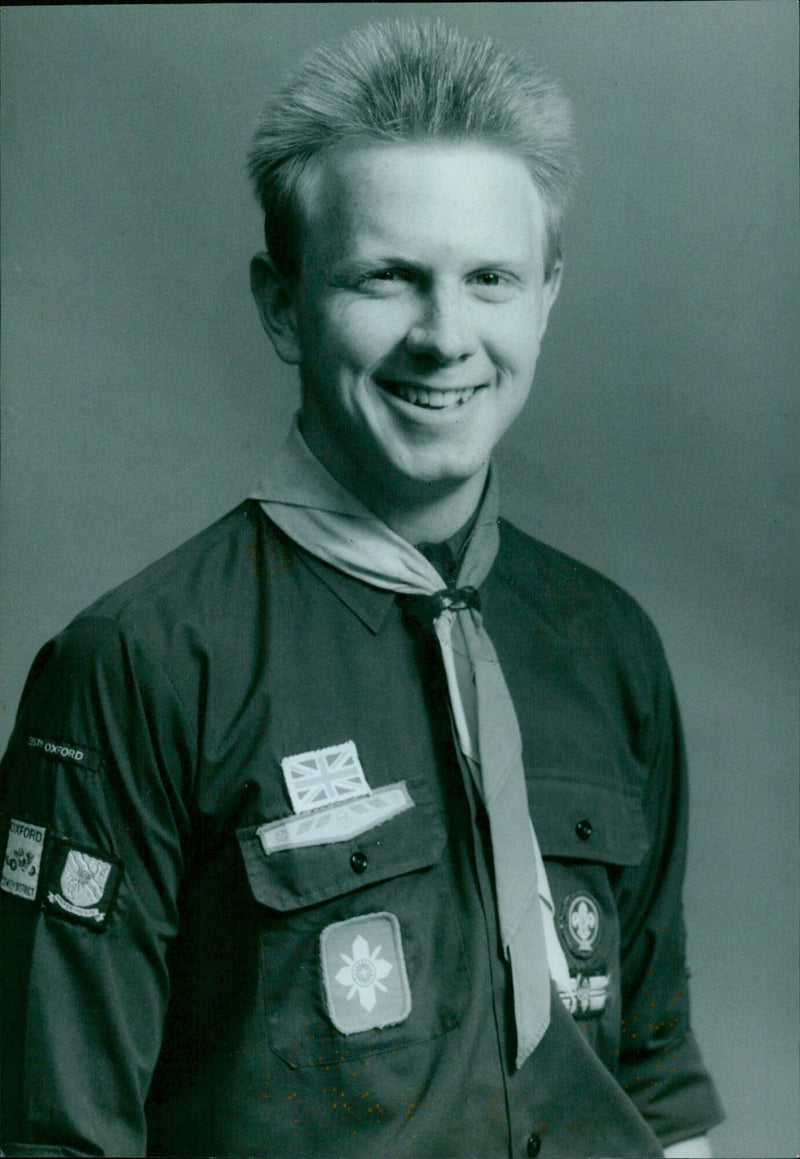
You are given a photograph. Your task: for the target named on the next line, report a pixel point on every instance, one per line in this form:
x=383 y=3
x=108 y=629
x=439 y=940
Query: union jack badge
x=324 y=777
x=82 y=884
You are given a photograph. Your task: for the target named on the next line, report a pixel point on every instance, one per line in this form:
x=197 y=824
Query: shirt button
x=358 y=861
x=534 y=1145
x=584 y=830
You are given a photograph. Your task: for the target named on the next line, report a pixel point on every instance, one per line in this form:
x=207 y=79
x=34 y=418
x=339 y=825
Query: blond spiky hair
x=400 y=82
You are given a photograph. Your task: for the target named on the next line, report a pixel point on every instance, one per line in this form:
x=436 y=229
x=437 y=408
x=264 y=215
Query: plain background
x=141 y=397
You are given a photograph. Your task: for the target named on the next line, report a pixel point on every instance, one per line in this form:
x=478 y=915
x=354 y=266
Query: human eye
x=493 y=285
x=385 y=280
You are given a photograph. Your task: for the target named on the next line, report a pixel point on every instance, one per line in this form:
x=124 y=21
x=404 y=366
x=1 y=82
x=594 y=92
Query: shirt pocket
x=399 y=868
x=586 y=820
x=588 y=830
x=588 y=833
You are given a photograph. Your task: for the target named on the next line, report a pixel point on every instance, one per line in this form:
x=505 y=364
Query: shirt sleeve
x=660 y=1066
x=94 y=832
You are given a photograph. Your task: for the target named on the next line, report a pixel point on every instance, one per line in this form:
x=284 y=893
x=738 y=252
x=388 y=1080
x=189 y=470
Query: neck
x=431 y=518
x=420 y=512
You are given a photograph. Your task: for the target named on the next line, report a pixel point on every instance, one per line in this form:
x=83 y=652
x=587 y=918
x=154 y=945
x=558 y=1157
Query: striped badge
x=324 y=777
x=336 y=822
x=587 y=994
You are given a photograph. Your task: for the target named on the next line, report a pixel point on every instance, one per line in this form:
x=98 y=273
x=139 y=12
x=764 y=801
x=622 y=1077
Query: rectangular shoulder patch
x=337 y=822
x=62 y=750
x=22 y=861
x=82 y=883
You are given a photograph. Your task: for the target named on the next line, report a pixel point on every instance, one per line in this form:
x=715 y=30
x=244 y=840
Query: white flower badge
x=363 y=973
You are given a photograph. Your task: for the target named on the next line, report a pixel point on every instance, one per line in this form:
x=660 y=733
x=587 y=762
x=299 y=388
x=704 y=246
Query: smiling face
x=417 y=318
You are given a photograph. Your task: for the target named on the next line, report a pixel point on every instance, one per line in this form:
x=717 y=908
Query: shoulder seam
x=127 y=630
x=220 y=534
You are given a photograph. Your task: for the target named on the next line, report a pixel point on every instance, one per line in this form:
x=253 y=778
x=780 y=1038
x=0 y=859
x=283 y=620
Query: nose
x=444 y=328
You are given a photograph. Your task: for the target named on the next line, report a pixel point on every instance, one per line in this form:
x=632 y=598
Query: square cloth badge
x=23 y=859
x=324 y=777
x=364 y=973
x=82 y=883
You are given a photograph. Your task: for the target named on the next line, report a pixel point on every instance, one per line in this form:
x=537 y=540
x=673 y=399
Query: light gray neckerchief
x=315 y=511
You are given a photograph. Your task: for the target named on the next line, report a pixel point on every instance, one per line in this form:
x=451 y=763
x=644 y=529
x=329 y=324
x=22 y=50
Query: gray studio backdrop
x=141 y=398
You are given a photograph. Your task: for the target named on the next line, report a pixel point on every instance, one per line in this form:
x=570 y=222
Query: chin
x=438 y=478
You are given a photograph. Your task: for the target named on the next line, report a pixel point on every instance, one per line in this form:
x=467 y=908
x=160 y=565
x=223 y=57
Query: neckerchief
x=313 y=509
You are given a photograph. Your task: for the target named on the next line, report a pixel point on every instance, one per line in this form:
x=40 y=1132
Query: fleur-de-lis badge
x=584 y=922
x=580 y=923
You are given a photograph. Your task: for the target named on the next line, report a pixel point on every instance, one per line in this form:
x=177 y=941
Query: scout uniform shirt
x=246 y=904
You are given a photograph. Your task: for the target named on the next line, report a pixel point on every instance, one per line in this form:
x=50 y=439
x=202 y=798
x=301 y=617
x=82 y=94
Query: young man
x=357 y=825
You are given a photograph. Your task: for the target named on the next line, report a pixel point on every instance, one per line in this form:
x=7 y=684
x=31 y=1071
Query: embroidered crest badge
x=364 y=973
x=580 y=923
x=23 y=859
x=324 y=777
x=87 y=882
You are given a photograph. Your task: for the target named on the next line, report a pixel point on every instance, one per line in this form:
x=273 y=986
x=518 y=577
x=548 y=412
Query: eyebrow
x=352 y=267
x=356 y=267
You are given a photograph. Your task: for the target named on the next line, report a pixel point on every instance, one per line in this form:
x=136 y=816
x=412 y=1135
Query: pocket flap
x=289 y=879
x=587 y=821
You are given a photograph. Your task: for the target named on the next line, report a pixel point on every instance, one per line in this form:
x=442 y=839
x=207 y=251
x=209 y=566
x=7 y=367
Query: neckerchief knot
x=425 y=610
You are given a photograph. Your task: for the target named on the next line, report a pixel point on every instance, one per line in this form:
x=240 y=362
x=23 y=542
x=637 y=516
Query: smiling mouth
x=428 y=398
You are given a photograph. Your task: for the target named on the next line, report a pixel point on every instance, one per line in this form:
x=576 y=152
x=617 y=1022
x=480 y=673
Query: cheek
x=510 y=336
x=514 y=348
x=366 y=332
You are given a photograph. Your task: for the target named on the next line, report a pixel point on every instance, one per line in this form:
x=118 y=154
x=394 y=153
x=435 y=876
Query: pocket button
x=358 y=861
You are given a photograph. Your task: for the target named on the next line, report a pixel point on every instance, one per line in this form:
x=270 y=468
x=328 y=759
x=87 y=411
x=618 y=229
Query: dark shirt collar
x=370 y=604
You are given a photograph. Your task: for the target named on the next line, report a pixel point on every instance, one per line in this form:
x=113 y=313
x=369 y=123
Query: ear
x=549 y=295
x=275 y=299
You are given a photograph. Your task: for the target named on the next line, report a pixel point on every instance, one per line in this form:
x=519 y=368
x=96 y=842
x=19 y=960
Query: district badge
x=23 y=859
x=364 y=973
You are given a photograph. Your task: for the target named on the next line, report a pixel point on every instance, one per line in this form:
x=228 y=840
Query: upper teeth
x=437 y=399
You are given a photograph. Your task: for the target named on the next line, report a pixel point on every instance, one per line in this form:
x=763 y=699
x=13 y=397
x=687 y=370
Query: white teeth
x=432 y=399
